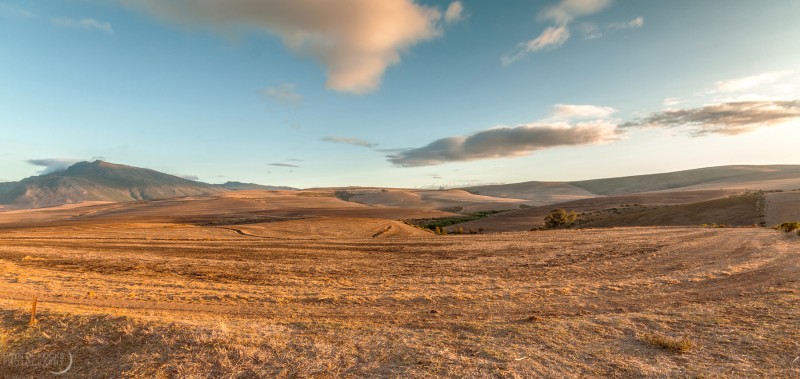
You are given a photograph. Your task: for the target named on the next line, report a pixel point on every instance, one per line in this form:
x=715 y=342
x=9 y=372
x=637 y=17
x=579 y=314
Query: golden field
x=171 y=300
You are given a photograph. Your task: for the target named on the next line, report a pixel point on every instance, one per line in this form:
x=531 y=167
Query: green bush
x=560 y=218
x=789 y=227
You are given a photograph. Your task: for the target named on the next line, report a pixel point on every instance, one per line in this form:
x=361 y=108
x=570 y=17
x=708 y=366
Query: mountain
x=98 y=181
x=771 y=177
x=239 y=186
x=104 y=181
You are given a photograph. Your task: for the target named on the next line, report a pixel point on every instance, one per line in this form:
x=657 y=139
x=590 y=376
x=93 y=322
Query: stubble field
x=171 y=300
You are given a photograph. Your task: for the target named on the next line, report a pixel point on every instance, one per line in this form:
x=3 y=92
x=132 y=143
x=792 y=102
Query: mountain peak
x=99 y=181
x=105 y=181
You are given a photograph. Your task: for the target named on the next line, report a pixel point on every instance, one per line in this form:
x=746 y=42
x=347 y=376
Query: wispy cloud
x=551 y=38
x=15 y=11
x=591 y=30
x=279 y=164
x=636 y=23
x=189 y=177
x=454 y=12
x=505 y=142
x=749 y=82
x=350 y=141
x=565 y=11
x=284 y=93
x=83 y=23
x=724 y=118
x=572 y=111
x=672 y=101
x=51 y=165
x=562 y=14
x=355 y=40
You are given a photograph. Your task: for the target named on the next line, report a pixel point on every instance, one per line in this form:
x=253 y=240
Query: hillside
x=525 y=219
x=239 y=186
x=447 y=200
x=536 y=193
x=725 y=177
x=735 y=211
x=772 y=177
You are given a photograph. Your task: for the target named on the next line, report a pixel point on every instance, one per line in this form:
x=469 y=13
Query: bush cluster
x=560 y=218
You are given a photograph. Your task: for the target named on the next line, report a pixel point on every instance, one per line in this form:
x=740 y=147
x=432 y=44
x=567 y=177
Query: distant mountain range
x=103 y=181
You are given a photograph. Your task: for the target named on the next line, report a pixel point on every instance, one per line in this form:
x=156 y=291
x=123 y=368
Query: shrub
x=789 y=227
x=560 y=218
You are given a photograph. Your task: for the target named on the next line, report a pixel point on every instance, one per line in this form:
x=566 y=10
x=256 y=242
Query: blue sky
x=398 y=92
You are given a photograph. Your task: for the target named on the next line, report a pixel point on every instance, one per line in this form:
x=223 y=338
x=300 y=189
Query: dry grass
x=148 y=300
x=676 y=344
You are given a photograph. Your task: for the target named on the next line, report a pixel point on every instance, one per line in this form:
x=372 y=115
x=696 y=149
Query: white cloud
x=454 y=12
x=84 y=23
x=506 y=142
x=285 y=93
x=51 y=165
x=191 y=177
x=593 y=31
x=636 y=23
x=355 y=40
x=590 y=30
x=554 y=36
x=567 y=10
x=551 y=38
x=350 y=141
x=750 y=82
x=572 y=111
x=672 y=101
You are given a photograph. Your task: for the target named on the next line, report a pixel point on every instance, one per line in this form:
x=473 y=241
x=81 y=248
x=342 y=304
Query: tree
x=560 y=218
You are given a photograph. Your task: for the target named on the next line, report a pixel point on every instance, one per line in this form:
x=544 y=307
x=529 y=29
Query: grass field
x=170 y=300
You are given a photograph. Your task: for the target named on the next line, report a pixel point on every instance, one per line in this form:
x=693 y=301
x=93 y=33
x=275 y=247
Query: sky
x=398 y=93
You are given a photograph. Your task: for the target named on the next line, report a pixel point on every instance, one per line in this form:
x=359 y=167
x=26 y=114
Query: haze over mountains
x=101 y=181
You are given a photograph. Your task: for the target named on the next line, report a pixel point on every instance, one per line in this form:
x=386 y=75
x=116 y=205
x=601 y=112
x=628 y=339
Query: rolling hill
x=239 y=186
x=107 y=182
x=771 y=177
